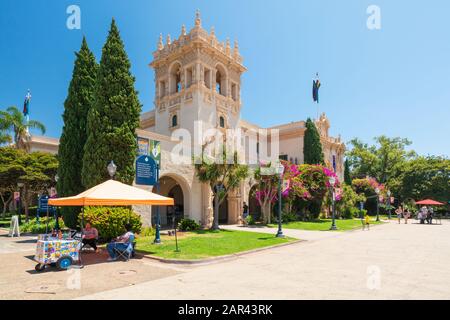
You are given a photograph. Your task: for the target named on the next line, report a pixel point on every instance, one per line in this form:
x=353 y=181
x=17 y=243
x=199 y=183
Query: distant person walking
x=406 y=215
x=366 y=222
x=399 y=213
x=430 y=215
x=244 y=213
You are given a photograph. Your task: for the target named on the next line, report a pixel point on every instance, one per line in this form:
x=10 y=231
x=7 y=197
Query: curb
x=218 y=258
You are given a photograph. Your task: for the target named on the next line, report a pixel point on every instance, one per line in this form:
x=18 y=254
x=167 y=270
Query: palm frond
x=37 y=125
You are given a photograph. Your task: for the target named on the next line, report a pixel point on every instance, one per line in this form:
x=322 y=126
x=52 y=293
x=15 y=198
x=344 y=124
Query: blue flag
x=26 y=104
x=315 y=90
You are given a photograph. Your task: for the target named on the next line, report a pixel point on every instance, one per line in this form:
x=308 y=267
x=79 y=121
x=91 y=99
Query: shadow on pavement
x=87 y=257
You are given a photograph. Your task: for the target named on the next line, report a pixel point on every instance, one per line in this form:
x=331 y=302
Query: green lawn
x=325 y=224
x=206 y=243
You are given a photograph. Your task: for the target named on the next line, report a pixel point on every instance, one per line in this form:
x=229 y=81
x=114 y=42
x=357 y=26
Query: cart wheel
x=39 y=267
x=64 y=263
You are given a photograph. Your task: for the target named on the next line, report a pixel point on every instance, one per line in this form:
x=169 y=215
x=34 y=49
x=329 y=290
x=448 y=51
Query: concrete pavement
x=390 y=261
x=19 y=280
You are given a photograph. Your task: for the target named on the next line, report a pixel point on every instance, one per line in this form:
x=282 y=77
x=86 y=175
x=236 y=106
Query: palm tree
x=4 y=136
x=13 y=120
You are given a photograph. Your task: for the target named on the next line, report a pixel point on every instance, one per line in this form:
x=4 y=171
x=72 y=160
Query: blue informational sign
x=43 y=203
x=146 y=171
x=43 y=207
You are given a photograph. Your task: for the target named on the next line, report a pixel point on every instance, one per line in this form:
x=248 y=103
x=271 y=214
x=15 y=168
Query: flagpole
x=27 y=109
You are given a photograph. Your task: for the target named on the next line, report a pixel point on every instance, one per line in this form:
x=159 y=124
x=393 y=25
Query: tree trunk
x=215 y=225
x=5 y=204
x=25 y=203
x=266 y=212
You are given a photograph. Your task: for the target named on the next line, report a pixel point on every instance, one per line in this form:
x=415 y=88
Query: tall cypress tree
x=73 y=138
x=347 y=178
x=312 y=147
x=113 y=118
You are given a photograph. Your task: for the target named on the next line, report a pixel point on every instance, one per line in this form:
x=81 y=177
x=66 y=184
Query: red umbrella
x=430 y=202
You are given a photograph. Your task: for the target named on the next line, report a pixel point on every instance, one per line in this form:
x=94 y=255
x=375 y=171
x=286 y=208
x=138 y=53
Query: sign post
x=148 y=164
x=158 y=216
x=18 y=203
x=14 y=230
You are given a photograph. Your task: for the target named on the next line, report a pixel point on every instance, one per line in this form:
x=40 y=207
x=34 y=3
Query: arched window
x=221 y=80
x=222 y=122
x=175 y=78
x=174 y=120
x=218 y=82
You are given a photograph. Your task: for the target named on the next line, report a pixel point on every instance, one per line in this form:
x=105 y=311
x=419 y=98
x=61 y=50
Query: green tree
x=5 y=137
x=12 y=120
x=383 y=161
x=312 y=147
x=346 y=203
x=425 y=177
x=225 y=173
x=11 y=168
x=39 y=171
x=347 y=176
x=73 y=138
x=113 y=117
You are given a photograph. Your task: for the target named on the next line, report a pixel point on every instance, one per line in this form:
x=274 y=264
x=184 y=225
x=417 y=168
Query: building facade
x=198 y=85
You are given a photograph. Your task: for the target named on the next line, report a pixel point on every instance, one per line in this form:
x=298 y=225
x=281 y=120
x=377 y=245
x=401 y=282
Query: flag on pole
x=26 y=104
x=315 y=89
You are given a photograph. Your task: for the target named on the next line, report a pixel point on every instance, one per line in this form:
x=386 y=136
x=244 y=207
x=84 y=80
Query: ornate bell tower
x=197 y=78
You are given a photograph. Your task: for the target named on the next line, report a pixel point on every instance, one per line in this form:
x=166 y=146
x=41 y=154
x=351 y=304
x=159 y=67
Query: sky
x=390 y=81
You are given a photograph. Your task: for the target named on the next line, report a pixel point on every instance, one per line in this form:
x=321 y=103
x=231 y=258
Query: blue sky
x=394 y=81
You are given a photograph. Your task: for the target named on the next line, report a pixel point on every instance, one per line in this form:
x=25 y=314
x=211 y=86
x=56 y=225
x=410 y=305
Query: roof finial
x=168 y=40
x=228 y=46
x=198 y=21
x=213 y=32
x=236 y=48
x=160 y=42
x=183 y=30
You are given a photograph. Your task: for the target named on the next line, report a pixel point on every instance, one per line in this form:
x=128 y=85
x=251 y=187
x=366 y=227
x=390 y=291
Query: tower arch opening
x=221 y=80
x=175 y=78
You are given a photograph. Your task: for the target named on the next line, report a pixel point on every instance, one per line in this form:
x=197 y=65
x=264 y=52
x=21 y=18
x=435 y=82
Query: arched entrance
x=254 y=208
x=223 y=211
x=171 y=187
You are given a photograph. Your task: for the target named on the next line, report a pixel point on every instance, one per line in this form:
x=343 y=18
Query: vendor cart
x=60 y=253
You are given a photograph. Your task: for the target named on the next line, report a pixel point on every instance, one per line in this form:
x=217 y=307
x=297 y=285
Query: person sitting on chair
x=120 y=243
x=90 y=237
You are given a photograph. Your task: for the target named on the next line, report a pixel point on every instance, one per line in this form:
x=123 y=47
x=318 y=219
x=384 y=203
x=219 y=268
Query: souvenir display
x=50 y=249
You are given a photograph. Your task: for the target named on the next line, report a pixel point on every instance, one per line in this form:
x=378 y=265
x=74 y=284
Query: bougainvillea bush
x=304 y=189
x=366 y=187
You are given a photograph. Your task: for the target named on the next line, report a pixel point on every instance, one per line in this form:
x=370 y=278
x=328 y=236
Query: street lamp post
x=332 y=181
x=280 y=171
x=56 y=209
x=377 y=191
x=112 y=169
x=158 y=215
x=388 y=203
x=19 y=202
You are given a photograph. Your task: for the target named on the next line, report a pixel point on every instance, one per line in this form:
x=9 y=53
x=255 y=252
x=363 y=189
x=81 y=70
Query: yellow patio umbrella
x=113 y=193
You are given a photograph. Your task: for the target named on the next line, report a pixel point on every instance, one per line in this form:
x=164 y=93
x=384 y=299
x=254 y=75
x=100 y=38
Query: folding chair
x=128 y=253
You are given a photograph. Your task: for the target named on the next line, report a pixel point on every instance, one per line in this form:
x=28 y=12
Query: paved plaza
x=390 y=261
